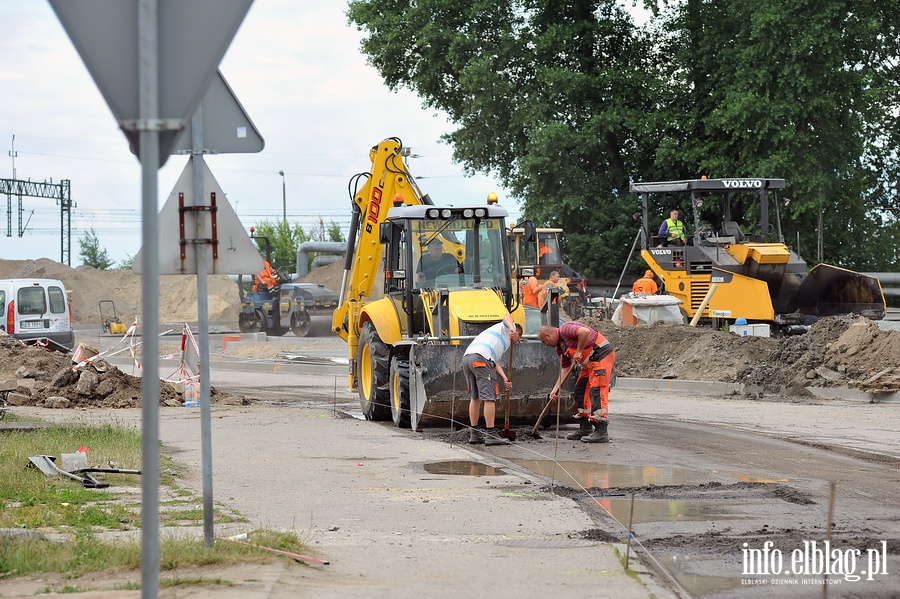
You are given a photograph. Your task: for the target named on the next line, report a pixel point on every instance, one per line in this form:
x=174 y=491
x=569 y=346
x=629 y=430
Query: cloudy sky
x=297 y=70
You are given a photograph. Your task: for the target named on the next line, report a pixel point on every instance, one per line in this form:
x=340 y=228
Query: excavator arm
x=388 y=182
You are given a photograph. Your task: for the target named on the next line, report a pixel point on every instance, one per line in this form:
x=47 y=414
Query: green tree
x=570 y=102
x=322 y=232
x=91 y=253
x=333 y=232
x=284 y=240
x=795 y=89
x=560 y=100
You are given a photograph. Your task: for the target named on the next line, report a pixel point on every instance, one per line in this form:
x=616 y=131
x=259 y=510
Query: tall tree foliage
x=568 y=102
x=92 y=253
x=794 y=89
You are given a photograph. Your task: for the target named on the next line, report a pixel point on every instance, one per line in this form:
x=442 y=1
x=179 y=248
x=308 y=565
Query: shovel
x=506 y=433
x=45 y=464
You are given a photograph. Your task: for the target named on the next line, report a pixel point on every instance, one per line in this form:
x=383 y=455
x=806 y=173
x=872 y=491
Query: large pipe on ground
x=325 y=247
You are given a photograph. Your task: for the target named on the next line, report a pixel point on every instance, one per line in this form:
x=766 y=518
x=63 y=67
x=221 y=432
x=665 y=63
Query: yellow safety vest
x=675 y=229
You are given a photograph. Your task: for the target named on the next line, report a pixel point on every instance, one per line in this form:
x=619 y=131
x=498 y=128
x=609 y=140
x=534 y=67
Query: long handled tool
x=506 y=433
x=534 y=432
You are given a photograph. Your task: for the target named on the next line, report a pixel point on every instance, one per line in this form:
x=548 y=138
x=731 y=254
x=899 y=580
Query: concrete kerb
x=717 y=388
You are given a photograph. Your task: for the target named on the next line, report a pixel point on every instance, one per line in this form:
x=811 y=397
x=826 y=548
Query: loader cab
x=430 y=250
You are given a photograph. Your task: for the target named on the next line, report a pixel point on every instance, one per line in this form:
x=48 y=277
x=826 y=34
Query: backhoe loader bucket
x=830 y=291
x=438 y=385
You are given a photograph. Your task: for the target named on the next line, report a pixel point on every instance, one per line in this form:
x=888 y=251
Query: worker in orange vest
x=267 y=280
x=645 y=285
x=553 y=283
x=530 y=292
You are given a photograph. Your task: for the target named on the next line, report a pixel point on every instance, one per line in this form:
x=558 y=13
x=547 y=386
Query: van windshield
x=31 y=301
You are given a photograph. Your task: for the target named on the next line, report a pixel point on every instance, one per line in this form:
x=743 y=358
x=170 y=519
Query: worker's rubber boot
x=475 y=436
x=599 y=435
x=492 y=437
x=584 y=429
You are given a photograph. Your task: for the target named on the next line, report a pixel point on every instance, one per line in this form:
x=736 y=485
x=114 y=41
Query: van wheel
x=372 y=374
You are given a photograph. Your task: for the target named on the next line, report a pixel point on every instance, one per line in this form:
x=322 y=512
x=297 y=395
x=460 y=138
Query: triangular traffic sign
x=192 y=39
x=229 y=249
x=227 y=129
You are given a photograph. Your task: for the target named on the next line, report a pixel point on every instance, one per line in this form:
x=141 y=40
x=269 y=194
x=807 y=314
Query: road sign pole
x=201 y=250
x=148 y=74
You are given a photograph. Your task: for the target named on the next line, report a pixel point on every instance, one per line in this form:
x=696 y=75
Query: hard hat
x=740 y=321
x=649 y=273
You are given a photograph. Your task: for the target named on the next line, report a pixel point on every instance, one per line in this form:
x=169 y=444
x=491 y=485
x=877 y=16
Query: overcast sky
x=297 y=70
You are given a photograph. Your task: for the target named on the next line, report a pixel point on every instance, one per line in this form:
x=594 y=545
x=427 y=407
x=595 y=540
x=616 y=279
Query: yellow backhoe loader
x=757 y=276
x=447 y=277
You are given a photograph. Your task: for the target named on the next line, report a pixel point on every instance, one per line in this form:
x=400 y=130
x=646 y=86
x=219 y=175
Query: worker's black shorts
x=479 y=373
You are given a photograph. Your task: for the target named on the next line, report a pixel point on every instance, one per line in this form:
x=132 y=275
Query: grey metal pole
x=283 y=197
x=148 y=76
x=203 y=323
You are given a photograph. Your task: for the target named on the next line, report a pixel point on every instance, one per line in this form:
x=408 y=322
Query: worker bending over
x=576 y=342
x=645 y=285
x=480 y=361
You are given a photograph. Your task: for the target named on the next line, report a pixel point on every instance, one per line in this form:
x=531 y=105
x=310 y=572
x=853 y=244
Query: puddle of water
x=666 y=510
x=577 y=475
x=463 y=467
x=683 y=568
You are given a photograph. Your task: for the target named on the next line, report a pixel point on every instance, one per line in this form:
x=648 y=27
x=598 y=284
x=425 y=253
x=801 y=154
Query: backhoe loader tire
x=372 y=374
x=400 y=391
x=300 y=324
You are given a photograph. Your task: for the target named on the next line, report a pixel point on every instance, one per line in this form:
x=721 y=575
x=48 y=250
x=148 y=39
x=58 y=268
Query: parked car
x=37 y=311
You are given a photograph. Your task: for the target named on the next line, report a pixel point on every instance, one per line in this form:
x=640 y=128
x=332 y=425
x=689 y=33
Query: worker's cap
x=649 y=273
x=740 y=321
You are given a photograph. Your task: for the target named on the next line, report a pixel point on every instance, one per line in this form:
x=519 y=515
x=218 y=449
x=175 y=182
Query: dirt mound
x=837 y=351
x=45 y=378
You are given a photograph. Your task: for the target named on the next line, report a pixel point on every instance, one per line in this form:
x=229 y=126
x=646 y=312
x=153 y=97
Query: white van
x=35 y=310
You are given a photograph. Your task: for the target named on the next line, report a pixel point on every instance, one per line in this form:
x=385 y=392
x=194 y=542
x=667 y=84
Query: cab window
x=2 y=303
x=548 y=248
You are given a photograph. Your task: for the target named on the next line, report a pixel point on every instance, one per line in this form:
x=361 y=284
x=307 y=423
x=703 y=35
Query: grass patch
x=87 y=554
x=30 y=500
